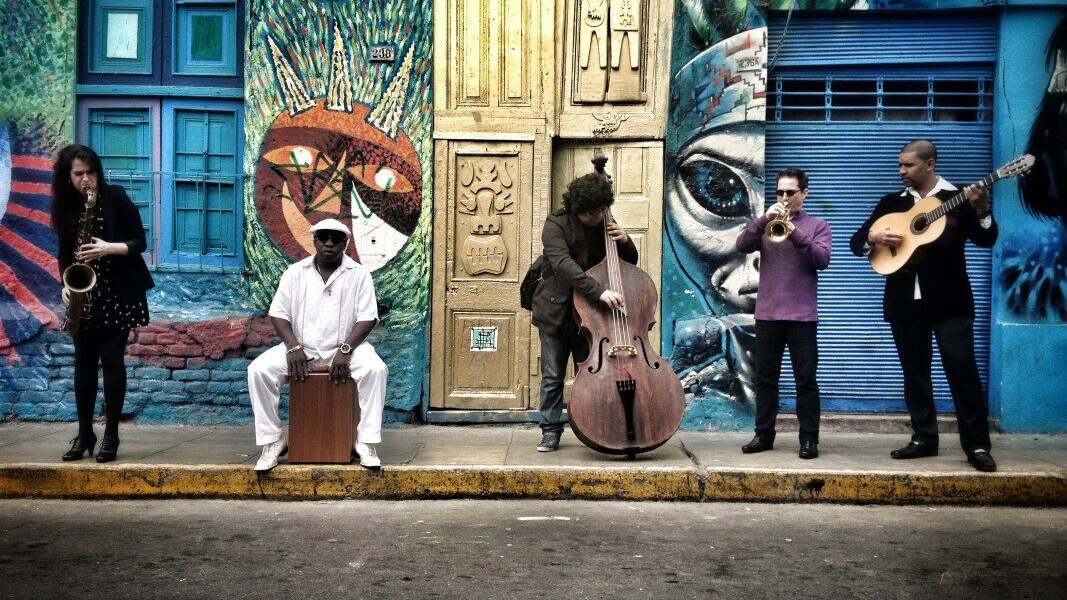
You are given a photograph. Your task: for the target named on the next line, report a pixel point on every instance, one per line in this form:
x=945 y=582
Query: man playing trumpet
x=794 y=246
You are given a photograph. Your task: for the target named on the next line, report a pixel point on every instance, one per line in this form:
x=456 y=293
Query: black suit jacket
x=943 y=282
x=122 y=223
x=569 y=253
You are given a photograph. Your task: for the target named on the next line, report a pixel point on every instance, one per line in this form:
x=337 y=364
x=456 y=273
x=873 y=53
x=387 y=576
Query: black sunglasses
x=338 y=237
x=787 y=193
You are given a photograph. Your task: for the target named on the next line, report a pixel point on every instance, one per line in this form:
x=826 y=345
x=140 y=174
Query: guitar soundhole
x=919 y=224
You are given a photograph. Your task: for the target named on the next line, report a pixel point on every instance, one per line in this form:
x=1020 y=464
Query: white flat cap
x=332 y=225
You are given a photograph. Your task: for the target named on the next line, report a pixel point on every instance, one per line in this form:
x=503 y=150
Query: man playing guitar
x=935 y=297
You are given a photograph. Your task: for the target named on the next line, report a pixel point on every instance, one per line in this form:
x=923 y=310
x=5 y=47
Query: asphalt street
x=540 y=550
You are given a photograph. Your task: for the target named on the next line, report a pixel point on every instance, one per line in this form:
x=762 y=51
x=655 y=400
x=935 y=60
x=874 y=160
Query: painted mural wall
x=333 y=132
x=328 y=133
x=36 y=119
x=1029 y=385
x=713 y=188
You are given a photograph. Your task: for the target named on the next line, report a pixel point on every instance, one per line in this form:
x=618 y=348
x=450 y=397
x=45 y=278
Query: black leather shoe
x=79 y=446
x=758 y=444
x=809 y=449
x=549 y=441
x=983 y=461
x=915 y=449
x=108 y=449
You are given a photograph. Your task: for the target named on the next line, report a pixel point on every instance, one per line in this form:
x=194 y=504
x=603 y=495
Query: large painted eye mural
x=714 y=189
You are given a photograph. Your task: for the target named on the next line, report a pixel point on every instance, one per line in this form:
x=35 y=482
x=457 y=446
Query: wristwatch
x=345 y=349
x=294 y=349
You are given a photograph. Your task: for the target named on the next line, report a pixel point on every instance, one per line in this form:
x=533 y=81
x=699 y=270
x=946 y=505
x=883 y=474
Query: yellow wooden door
x=482 y=223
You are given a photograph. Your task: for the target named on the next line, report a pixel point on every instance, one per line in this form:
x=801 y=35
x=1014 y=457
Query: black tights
x=106 y=349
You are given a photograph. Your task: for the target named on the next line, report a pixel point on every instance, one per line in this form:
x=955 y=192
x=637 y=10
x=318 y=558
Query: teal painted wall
x=1028 y=384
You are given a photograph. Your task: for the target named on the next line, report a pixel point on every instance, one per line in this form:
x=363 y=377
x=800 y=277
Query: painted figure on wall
x=1034 y=275
x=336 y=131
x=333 y=158
x=714 y=189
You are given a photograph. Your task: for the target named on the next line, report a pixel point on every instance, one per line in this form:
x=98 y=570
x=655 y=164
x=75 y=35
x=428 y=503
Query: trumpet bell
x=79 y=278
x=778 y=230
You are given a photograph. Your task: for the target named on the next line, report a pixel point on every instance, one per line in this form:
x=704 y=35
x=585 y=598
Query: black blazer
x=122 y=223
x=567 y=244
x=943 y=282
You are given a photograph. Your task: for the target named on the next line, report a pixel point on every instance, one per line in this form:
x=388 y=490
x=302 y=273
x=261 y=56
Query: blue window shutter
x=123 y=139
x=121 y=34
x=202 y=198
x=205 y=39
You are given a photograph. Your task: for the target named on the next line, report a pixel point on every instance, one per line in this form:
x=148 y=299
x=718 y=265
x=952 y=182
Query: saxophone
x=80 y=278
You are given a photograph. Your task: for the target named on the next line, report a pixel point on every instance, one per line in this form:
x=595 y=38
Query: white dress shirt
x=323 y=314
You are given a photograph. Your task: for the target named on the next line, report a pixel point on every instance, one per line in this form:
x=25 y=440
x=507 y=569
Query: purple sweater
x=789 y=271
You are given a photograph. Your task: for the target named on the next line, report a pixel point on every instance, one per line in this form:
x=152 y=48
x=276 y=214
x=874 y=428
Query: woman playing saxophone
x=107 y=236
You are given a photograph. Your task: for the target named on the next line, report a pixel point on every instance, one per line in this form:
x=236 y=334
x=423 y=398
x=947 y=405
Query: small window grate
x=881 y=99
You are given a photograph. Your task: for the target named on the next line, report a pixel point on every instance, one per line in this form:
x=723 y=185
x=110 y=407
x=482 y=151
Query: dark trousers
x=555 y=350
x=100 y=349
x=772 y=337
x=955 y=341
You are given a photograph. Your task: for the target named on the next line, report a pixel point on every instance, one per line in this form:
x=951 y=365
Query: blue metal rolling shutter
x=851 y=163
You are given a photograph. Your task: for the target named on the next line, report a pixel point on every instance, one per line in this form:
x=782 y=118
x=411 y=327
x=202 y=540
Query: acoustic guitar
x=927 y=222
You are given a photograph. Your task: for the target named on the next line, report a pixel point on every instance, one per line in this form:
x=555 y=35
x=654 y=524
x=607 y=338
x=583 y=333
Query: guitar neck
x=960 y=198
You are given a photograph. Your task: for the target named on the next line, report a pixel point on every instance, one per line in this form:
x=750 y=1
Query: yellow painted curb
x=318 y=482
x=1026 y=489
x=305 y=482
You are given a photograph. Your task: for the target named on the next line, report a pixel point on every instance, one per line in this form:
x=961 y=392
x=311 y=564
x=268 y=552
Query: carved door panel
x=636 y=169
x=615 y=57
x=482 y=225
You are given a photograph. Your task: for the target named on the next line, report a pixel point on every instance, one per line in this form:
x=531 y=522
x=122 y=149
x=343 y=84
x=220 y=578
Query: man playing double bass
x=573 y=239
x=935 y=298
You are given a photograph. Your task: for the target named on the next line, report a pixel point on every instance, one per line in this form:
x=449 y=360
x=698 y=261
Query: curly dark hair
x=588 y=192
x=67 y=201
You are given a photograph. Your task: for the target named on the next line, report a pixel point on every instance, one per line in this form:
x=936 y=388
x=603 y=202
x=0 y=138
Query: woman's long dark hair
x=1044 y=189
x=66 y=201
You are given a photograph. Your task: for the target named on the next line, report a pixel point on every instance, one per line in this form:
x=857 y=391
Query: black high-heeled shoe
x=78 y=447
x=108 y=449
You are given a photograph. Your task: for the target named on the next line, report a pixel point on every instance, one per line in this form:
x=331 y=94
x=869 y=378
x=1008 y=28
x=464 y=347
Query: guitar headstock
x=1016 y=167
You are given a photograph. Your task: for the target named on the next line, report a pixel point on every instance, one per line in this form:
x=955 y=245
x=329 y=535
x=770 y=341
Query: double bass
x=625 y=398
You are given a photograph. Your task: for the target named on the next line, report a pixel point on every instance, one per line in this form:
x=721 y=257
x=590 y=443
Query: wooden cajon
x=322 y=415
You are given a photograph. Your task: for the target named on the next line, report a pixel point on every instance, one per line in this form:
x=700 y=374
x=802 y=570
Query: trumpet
x=779 y=228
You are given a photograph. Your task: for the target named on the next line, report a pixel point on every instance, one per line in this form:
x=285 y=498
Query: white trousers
x=270 y=371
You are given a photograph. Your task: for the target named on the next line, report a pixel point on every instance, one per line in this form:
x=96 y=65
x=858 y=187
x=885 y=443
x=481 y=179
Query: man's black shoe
x=915 y=449
x=549 y=441
x=983 y=461
x=809 y=449
x=758 y=444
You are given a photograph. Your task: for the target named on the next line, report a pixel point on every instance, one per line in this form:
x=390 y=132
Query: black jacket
x=571 y=248
x=122 y=223
x=943 y=282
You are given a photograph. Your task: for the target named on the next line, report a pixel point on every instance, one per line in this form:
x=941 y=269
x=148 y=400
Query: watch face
x=345 y=348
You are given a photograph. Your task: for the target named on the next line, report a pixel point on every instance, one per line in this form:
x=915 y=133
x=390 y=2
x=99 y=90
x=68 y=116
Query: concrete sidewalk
x=501 y=462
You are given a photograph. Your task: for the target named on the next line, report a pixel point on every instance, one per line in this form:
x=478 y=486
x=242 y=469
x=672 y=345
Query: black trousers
x=772 y=337
x=955 y=341
x=91 y=351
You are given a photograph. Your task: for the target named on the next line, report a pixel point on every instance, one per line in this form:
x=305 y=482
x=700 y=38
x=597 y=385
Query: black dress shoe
x=79 y=446
x=758 y=444
x=809 y=449
x=108 y=449
x=915 y=449
x=983 y=461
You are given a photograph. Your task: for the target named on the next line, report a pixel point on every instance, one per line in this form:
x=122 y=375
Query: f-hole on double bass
x=625 y=398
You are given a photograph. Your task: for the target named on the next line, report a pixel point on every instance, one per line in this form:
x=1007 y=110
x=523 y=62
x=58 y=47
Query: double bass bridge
x=622 y=350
